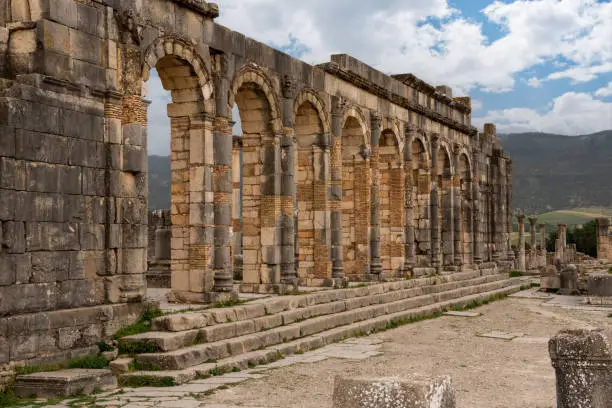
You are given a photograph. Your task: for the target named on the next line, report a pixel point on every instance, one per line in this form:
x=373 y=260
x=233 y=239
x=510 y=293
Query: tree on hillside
x=585 y=238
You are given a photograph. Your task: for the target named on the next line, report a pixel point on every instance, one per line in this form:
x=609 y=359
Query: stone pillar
x=604 y=239
x=533 y=253
x=434 y=203
x=477 y=202
x=542 y=254
x=375 y=261
x=561 y=242
x=339 y=107
x=288 y=186
x=508 y=199
x=395 y=392
x=409 y=252
x=457 y=210
x=163 y=237
x=583 y=365
x=237 y=205
x=521 y=244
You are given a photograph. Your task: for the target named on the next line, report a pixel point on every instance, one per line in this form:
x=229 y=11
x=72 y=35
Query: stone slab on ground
x=500 y=335
x=411 y=392
x=64 y=383
x=462 y=314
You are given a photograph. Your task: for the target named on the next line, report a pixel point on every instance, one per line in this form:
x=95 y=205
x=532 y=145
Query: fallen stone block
x=411 y=392
x=64 y=383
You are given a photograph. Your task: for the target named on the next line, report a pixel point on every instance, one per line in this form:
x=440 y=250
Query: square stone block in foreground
x=64 y=383
x=407 y=392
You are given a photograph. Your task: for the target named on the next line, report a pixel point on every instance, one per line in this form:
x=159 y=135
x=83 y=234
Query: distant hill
x=555 y=172
x=551 y=172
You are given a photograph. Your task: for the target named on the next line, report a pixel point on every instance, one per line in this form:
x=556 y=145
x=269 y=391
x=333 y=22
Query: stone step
x=64 y=383
x=307 y=343
x=265 y=307
x=207 y=352
x=169 y=341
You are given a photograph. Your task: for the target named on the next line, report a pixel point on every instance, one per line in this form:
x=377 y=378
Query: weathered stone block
x=134 y=158
x=81 y=125
x=92 y=237
x=415 y=392
x=134 y=134
x=7 y=141
x=14 y=268
x=94 y=181
x=80 y=293
x=50 y=267
x=53 y=178
x=85 y=153
x=64 y=383
x=13 y=234
x=12 y=174
x=27 y=298
x=47 y=236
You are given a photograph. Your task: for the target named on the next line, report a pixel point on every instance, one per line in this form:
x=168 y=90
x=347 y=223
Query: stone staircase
x=213 y=341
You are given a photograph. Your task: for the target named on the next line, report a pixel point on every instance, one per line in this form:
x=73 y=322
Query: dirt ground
x=486 y=372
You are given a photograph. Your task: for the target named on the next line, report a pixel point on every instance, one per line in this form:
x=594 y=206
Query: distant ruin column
x=434 y=205
x=561 y=242
x=604 y=239
x=376 y=264
x=533 y=253
x=288 y=186
x=521 y=243
x=339 y=106
x=542 y=253
x=457 y=211
x=583 y=365
x=409 y=252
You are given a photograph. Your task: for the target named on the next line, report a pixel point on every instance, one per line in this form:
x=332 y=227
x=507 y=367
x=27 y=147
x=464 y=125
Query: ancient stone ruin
x=346 y=174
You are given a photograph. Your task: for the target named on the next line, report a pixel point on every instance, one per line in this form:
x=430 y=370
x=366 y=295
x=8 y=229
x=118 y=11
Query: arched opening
x=237 y=174
x=356 y=182
x=421 y=198
x=445 y=211
x=259 y=211
x=312 y=253
x=190 y=265
x=391 y=193
x=465 y=175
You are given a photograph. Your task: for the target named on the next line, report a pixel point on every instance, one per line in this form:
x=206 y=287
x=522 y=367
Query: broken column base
x=268 y=288
x=204 y=297
x=64 y=383
x=409 y=392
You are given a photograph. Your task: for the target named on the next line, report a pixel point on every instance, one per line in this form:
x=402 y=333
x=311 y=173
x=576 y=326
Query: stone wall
x=346 y=172
x=604 y=238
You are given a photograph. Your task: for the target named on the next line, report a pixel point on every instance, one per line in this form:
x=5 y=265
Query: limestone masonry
x=342 y=172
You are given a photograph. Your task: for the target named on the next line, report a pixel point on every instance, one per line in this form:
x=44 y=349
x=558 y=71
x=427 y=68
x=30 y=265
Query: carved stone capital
x=339 y=105
x=288 y=86
x=130 y=26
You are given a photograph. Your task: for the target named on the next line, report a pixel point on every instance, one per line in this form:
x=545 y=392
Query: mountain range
x=550 y=172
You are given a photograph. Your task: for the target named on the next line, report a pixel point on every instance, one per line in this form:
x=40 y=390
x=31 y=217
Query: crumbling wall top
x=205 y=8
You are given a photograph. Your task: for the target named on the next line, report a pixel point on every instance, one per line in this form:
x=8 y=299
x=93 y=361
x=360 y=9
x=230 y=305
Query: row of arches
x=287 y=194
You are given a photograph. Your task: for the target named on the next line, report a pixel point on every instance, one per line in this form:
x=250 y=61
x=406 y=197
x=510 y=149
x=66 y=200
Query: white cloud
x=571 y=113
x=476 y=105
x=534 y=82
x=583 y=74
x=604 y=92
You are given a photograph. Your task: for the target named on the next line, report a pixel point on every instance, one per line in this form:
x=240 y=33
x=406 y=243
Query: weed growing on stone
x=139 y=347
x=228 y=303
x=610 y=270
x=515 y=274
x=146 y=381
x=142 y=325
x=90 y=362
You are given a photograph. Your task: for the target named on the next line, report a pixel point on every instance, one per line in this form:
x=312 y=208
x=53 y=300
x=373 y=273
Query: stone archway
x=391 y=195
x=445 y=205
x=421 y=199
x=182 y=72
x=253 y=93
x=312 y=178
x=356 y=182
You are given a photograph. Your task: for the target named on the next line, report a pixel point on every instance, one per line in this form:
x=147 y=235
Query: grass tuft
x=146 y=381
x=142 y=325
x=515 y=274
x=91 y=362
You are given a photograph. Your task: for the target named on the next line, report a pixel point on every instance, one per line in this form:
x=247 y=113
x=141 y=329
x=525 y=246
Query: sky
x=528 y=65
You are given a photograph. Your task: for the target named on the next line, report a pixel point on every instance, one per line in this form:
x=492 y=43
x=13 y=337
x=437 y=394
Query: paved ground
x=487 y=372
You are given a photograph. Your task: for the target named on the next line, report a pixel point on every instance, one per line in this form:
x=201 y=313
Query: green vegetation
x=142 y=325
x=585 y=238
x=146 y=381
x=229 y=303
x=139 y=347
x=90 y=362
x=515 y=274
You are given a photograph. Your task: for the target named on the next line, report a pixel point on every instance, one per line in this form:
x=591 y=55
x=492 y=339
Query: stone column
x=409 y=252
x=521 y=243
x=508 y=199
x=583 y=365
x=533 y=253
x=457 y=210
x=339 y=107
x=288 y=186
x=375 y=261
x=477 y=213
x=561 y=242
x=502 y=206
x=434 y=204
x=542 y=254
